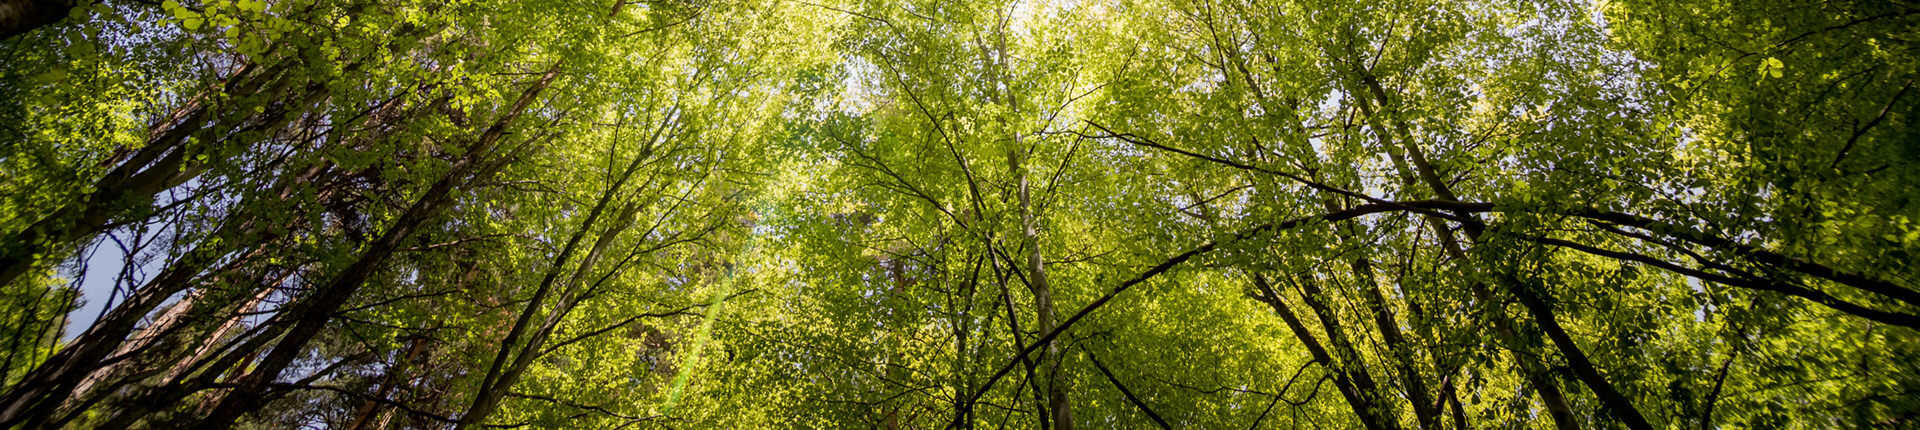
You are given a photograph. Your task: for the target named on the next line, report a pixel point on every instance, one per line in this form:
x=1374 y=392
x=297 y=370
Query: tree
x=907 y=214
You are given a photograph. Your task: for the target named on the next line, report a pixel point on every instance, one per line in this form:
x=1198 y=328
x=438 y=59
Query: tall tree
x=978 y=213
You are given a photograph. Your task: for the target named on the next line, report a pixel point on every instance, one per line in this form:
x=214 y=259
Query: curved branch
x=1835 y=303
x=1135 y=400
x=1203 y=248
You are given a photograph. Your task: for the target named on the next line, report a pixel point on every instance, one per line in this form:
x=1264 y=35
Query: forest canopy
x=1402 y=214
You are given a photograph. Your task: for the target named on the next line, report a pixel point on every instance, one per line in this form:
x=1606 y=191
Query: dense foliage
x=1408 y=214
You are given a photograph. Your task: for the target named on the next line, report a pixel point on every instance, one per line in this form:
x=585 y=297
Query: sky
x=104 y=262
x=101 y=274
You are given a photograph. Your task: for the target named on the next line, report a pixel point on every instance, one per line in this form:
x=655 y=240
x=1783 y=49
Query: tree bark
x=165 y=161
x=34 y=399
x=1550 y=394
x=20 y=16
x=1353 y=384
x=369 y=409
x=1618 y=404
x=1425 y=410
x=1057 y=401
x=500 y=377
x=309 y=316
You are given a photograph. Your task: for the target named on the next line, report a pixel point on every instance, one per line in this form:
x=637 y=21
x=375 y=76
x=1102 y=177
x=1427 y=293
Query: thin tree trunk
x=1033 y=369
x=162 y=163
x=370 y=409
x=1051 y=358
x=1013 y=326
x=1550 y=393
x=1348 y=356
x=1618 y=404
x=34 y=399
x=308 y=317
x=502 y=380
x=1347 y=381
x=1451 y=393
x=1425 y=411
x=1554 y=400
x=159 y=328
x=179 y=369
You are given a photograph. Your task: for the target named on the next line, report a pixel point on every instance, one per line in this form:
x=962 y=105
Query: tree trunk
x=20 y=16
x=213 y=339
x=308 y=317
x=1354 y=384
x=1425 y=411
x=1050 y=358
x=369 y=409
x=34 y=399
x=499 y=380
x=1550 y=393
x=1618 y=404
x=162 y=163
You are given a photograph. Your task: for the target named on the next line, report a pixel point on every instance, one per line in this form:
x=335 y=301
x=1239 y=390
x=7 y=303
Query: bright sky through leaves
x=1406 y=214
